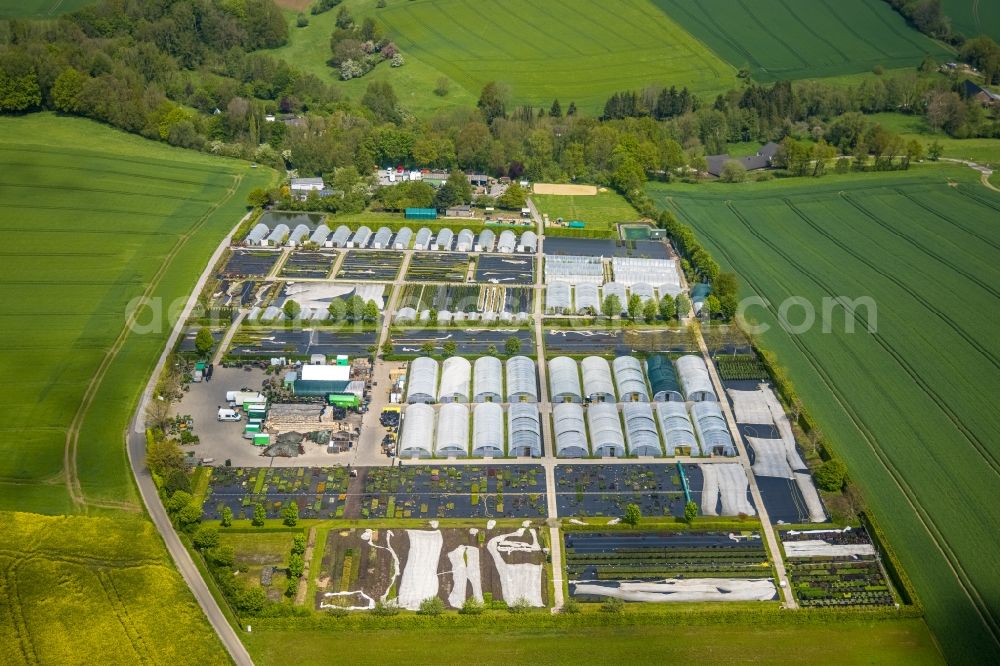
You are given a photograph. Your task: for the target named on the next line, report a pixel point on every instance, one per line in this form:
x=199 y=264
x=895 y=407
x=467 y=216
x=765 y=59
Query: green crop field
x=93 y=219
x=909 y=407
x=40 y=9
x=91 y=590
x=784 y=39
x=973 y=17
x=603 y=210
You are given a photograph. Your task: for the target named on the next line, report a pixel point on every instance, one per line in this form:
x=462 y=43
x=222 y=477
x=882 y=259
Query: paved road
x=136 y=447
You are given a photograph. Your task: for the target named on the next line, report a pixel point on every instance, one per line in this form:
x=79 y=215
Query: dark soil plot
x=308 y=265
x=631 y=556
x=517 y=299
x=471 y=342
x=377 y=266
x=267 y=343
x=319 y=492
x=854 y=580
x=453 y=298
x=605 y=490
x=782 y=499
x=740 y=367
x=618 y=342
x=506 y=269
x=353 y=564
x=592 y=247
x=483 y=491
x=250 y=263
x=438 y=267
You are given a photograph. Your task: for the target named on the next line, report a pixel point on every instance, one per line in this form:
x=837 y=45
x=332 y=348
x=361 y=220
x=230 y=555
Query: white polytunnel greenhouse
x=340 y=236
x=522 y=385
x=416 y=438
x=564 y=380
x=406 y=314
x=630 y=270
x=524 y=430
x=278 y=235
x=558 y=297
x=629 y=379
x=456 y=375
x=487 y=375
x=320 y=235
x=529 y=242
x=487 y=431
x=587 y=300
x=466 y=239
x=422 y=378
x=402 y=239
x=444 y=239
x=570 y=431
x=507 y=241
x=614 y=289
x=300 y=233
x=485 y=241
x=710 y=425
x=597 y=383
x=606 y=438
x=423 y=239
x=257 y=235
x=640 y=430
x=452 y=438
x=695 y=380
x=361 y=237
x=382 y=238
x=644 y=291
x=573 y=269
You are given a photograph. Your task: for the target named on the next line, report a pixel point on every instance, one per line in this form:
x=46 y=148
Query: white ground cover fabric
x=517 y=581
x=728 y=482
x=762 y=406
x=465 y=574
x=750 y=406
x=770 y=458
x=686 y=589
x=818 y=547
x=420 y=574
x=808 y=489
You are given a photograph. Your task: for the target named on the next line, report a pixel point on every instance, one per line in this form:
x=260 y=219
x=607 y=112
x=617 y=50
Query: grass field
x=903 y=641
x=984 y=151
x=602 y=211
x=93 y=218
x=910 y=407
x=973 y=17
x=783 y=39
x=41 y=9
x=88 y=590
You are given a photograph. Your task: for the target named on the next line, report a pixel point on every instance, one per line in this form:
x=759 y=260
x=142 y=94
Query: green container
x=261 y=440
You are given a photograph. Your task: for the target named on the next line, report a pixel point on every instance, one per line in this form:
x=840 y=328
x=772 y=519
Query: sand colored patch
x=565 y=190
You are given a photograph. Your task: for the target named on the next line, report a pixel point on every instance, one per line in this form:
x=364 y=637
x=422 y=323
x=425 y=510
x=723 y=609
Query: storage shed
x=487 y=432
x=522 y=385
x=416 y=438
x=487 y=377
x=524 y=430
x=597 y=383
x=678 y=433
x=456 y=376
x=694 y=379
x=629 y=380
x=421 y=214
x=663 y=379
x=422 y=380
x=606 y=438
x=710 y=425
x=452 y=437
x=564 y=380
x=570 y=431
x=640 y=430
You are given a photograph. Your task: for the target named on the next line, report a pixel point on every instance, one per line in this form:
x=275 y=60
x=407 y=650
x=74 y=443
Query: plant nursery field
x=93 y=218
x=907 y=398
x=781 y=39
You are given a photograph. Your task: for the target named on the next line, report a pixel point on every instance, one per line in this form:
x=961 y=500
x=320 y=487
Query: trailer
x=241 y=398
x=343 y=400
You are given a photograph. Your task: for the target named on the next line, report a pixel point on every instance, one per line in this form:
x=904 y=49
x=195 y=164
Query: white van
x=229 y=415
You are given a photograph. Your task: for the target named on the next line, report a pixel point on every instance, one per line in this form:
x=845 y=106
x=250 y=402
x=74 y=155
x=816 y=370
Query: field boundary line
x=946 y=218
x=121 y=614
x=27 y=646
x=73 y=434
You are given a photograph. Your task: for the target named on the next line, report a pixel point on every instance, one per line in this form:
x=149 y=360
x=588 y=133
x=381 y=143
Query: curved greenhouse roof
x=597 y=383
x=298 y=235
x=643 y=290
x=361 y=237
x=423 y=239
x=485 y=241
x=587 y=299
x=466 y=239
x=524 y=430
x=507 y=242
x=614 y=289
x=557 y=296
x=320 y=235
x=663 y=379
x=678 y=433
x=402 y=239
x=487 y=433
x=629 y=380
x=341 y=236
x=456 y=375
x=570 y=431
x=422 y=378
x=640 y=430
x=695 y=380
x=444 y=239
x=487 y=383
x=710 y=425
x=606 y=438
x=452 y=439
x=528 y=242
x=564 y=380
x=406 y=314
x=417 y=433
x=522 y=385
x=382 y=237
x=257 y=234
x=278 y=235
x=574 y=269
